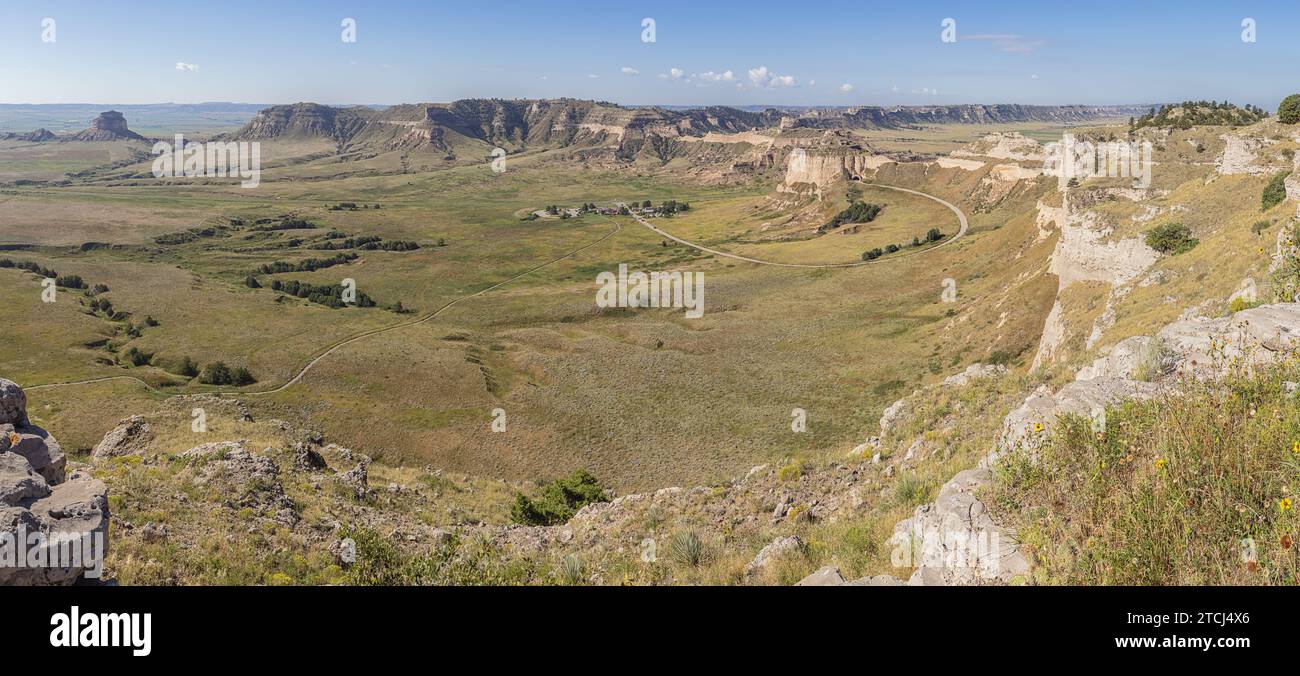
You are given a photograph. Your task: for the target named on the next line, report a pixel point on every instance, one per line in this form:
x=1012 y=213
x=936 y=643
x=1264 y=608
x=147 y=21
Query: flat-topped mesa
x=109 y=126
x=37 y=496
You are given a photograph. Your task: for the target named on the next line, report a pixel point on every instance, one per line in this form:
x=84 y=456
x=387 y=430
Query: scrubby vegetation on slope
x=1171 y=238
x=1192 y=488
x=1188 y=114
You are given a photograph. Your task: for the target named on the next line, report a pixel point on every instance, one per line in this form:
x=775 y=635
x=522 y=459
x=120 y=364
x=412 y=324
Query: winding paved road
x=960 y=217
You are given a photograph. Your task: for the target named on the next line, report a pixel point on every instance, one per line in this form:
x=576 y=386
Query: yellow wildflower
x=1161 y=462
x=1285 y=504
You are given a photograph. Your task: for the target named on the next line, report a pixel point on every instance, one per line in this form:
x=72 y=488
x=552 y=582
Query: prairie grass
x=1193 y=488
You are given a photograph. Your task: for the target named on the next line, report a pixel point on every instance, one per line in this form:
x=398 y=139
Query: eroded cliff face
x=816 y=171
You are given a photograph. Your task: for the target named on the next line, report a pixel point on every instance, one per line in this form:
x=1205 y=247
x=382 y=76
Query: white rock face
x=1005 y=146
x=1241 y=155
x=974 y=372
x=1123 y=360
x=818 y=170
x=891 y=416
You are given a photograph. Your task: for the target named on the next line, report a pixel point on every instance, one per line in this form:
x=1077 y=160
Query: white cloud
x=763 y=78
x=710 y=76
x=672 y=74
x=593 y=76
x=1034 y=76
x=846 y=87
x=187 y=67
x=812 y=83
x=628 y=70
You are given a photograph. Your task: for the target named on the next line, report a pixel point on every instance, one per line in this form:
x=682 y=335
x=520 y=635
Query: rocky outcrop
x=109 y=126
x=975 y=372
x=955 y=540
x=895 y=117
x=37 y=136
x=130 y=436
x=787 y=545
x=60 y=525
x=815 y=171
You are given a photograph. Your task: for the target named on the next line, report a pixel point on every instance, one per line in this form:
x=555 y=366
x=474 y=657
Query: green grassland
x=643 y=398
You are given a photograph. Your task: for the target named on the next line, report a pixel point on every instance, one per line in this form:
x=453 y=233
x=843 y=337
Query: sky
x=703 y=52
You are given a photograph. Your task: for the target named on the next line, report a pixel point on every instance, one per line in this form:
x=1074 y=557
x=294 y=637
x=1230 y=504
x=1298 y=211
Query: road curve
x=961 y=217
x=330 y=350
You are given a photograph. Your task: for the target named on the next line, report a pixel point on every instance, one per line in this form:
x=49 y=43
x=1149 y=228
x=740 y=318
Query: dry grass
x=1195 y=488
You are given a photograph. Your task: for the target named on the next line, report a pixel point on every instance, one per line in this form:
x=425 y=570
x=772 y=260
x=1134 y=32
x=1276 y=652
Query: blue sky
x=886 y=52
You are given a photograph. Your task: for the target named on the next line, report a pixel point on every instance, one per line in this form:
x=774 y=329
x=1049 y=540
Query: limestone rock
x=826 y=576
x=130 y=436
x=42 y=451
x=13 y=404
x=892 y=415
x=19 y=483
x=974 y=372
x=779 y=547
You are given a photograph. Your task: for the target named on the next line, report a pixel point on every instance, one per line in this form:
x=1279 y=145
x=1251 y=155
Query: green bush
x=1275 y=191
x=559 y=500
x=1171 y=238
x=1288 y=112
x=216 y=373
x=686 y=548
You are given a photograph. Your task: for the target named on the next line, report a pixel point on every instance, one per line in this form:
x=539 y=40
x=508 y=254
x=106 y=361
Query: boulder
x=826 y=576
x=974 y=372
x=19 y=483
x=42 y=451
x=892 y=415
x=779 y=547
x=13 y=404
x=130 y=436
x=62 y=524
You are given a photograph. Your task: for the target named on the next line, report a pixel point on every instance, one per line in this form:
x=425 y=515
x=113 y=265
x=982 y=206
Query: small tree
x=1274 y=192
x=1288 y=112
x=216 y=373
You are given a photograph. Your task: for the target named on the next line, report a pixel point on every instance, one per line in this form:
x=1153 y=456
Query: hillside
x=1036 y=298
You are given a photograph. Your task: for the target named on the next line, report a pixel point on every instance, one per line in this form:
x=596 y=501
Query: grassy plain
x=642 y=398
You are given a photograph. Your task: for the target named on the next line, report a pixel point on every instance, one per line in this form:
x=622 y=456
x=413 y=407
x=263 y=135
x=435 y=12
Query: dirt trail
x=960 y=217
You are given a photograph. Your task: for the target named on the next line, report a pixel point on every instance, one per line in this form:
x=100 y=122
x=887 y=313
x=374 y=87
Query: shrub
x=573 y=571
x=686 y=548
x=1171 y=238
x=858 y=212
x=136 y=357
x=252 y=283
x=559 y=500
x=1260 y=226
x=186 y=367
x=1239 y=303
x=1288 y=112
x=216 y=373
x=1275 y=191
x=70 y=282
x=242 y=376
